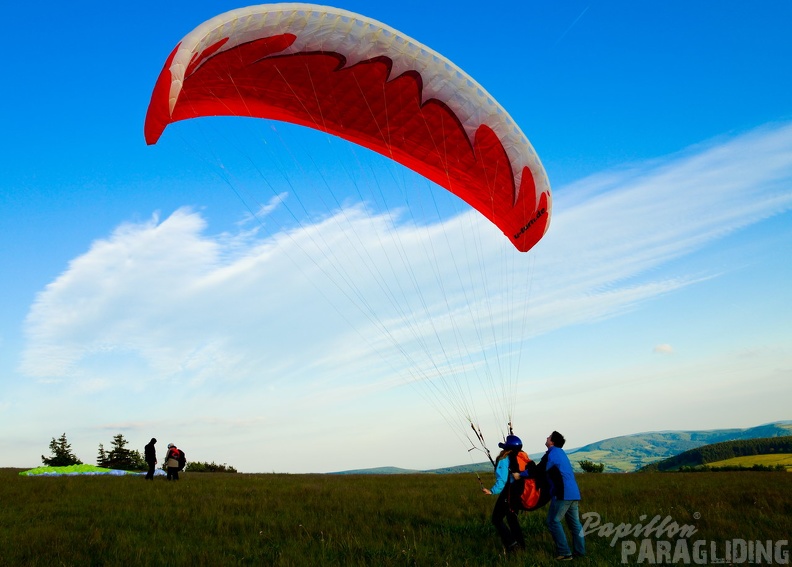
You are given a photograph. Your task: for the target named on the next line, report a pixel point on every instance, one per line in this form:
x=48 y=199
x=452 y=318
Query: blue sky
x=139 y=297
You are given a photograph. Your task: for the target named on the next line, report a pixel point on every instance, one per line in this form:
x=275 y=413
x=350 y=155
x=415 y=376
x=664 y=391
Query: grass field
x=750 y=460
x=277 y=519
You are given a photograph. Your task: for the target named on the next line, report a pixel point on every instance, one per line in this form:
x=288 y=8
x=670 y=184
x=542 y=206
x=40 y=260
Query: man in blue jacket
x=565 y=497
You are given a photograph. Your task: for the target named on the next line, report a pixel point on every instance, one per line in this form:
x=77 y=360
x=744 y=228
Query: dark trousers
x=150 y=473
x=173 y=473
x=512 y=534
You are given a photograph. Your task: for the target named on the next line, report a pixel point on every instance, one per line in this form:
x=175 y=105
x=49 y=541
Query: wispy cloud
x=266 y=209
x=357 y=298
x=567 y=30
x=663 y=349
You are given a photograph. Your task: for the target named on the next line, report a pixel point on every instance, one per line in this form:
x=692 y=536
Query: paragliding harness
x=524 y=494
x=527 y=493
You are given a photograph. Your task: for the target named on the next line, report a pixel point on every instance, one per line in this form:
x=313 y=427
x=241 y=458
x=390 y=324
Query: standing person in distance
x=150 y=456
x=565 y=497
x=505 y=463
x=172 y=462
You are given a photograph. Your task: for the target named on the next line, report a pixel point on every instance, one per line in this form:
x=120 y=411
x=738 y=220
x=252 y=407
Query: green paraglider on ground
x=74 y=470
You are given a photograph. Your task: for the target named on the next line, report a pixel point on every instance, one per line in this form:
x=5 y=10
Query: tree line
x=118 y=457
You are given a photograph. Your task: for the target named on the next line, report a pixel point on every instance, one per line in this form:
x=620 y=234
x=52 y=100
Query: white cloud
x=334 y=309
x=266 y=209
x=663 y=349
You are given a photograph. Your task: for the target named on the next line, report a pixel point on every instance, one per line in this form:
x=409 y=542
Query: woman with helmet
x=505 y=464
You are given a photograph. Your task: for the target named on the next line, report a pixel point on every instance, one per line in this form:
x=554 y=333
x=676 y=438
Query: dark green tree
x=119 y=457
x=196 y=466
x=62 y=455
x=591 y=466
x=101 y=459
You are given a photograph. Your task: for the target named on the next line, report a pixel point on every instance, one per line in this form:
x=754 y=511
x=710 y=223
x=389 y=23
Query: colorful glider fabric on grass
x=353 y=77
x=74 y=470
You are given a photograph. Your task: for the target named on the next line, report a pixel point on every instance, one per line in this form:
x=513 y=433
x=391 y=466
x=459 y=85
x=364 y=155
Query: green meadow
x=379 y=520
x=748 y=461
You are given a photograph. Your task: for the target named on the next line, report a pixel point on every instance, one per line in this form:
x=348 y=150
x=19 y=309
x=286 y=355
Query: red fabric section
x=158 y=116
x=206 y=53
x=361 y=105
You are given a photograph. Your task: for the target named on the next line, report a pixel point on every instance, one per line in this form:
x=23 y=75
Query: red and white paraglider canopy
x=358 y=79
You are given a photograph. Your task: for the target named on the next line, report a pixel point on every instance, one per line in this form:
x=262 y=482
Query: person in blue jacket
x=565 y=497
x=506 y=462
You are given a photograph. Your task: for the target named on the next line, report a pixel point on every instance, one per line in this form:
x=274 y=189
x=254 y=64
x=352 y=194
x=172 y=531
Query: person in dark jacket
x=565 y=497
x=511 y=535
x=150 y=455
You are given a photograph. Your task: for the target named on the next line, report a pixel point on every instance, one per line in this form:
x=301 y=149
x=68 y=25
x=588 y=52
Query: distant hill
x=632 y=452
x=477 y=467
x=719 y=452
x=379 y=470
x=627 y=453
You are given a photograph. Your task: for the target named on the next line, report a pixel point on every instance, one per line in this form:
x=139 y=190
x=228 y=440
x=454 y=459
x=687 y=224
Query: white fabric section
x=321 y=28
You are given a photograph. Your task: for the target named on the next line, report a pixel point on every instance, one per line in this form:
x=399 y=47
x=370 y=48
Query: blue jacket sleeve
x=501 y=476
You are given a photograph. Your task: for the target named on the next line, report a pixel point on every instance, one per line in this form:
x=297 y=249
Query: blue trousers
x=568 y=510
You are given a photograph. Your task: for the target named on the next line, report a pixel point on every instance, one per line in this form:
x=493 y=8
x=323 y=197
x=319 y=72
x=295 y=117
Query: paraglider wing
x=358 y=79
x=76 y=470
